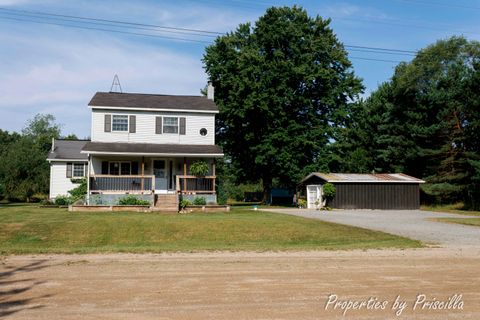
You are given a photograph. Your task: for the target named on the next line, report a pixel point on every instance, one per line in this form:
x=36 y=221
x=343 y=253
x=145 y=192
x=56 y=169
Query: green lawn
x=466 y=221
x=29 y=229
x=457 y=208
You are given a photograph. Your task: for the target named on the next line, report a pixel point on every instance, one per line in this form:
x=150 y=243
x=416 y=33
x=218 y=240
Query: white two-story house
x=141 y=144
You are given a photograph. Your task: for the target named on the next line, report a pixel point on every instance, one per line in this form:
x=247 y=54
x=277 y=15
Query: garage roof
x=364 y=177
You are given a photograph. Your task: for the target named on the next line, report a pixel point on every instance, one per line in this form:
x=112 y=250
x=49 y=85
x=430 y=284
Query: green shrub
x=185 y=203
x=199 y=168
x=131 y=200
x=302 y=203
x=329 y=191
x=199 y=201
x=80 y=191
x=63 y=200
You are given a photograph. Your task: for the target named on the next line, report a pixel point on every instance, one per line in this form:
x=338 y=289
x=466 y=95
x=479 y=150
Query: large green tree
x=283 y=86
x=425 y=121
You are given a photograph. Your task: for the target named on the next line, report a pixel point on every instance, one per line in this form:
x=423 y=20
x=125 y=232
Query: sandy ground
x=239 y=285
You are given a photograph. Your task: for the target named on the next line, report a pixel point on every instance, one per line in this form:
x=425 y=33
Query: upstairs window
x=170 y=125
x=119 y=122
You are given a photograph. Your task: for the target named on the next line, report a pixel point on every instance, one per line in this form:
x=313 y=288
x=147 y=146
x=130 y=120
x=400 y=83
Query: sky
x=49 y=67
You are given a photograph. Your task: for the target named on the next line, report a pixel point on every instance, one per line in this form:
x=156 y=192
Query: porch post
x=214 y=174
x=184 y=173
x=142 y=182
x=88 y=179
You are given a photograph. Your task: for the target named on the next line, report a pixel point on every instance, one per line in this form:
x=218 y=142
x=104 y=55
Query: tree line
x=24 y=170
x=290 y=104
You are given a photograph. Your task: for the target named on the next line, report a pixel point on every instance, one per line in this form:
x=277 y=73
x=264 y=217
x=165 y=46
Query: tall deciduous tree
x=282 y=87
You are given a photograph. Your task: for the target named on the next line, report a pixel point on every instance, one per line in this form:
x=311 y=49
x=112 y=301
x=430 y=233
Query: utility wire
x=154 y=28
x=106 y=30
x=432 y=3
x=107 y=24
x=112 y=21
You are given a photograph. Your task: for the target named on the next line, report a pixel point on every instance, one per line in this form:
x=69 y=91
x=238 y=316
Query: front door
x=161 y=175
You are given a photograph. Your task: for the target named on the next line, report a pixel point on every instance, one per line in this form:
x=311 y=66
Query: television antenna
x=116 y=86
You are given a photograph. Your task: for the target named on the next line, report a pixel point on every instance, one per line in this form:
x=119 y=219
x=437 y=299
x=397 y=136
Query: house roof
x=152 y=102
x=152 y=149
x=67 y=150
x=364 y=178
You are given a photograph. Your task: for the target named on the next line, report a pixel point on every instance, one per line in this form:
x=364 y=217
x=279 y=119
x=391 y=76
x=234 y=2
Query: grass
x=457 y=208
x=29 y=229
x=465 y=221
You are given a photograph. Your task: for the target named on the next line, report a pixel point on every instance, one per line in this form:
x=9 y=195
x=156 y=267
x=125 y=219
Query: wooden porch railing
x=130 y=183
x=194 y=184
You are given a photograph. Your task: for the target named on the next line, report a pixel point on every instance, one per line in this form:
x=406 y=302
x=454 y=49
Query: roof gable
x=152 y=102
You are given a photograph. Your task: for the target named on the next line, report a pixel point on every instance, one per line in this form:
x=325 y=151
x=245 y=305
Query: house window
x=78 y=170
x=170 y=124
x=119 y=122
x=120 y=168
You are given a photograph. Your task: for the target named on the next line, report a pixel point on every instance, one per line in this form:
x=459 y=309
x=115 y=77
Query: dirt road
x=240 y=285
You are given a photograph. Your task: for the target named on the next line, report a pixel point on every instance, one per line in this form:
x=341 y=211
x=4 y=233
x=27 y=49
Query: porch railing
x=130 y=183
x=194 y=184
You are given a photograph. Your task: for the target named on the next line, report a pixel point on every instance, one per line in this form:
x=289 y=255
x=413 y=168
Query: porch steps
x=166 y=202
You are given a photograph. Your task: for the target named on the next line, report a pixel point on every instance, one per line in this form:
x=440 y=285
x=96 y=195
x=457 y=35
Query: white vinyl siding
x=145 y=128
x=59 y=183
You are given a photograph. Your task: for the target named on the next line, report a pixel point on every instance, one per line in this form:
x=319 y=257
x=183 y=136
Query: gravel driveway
x=414 y=224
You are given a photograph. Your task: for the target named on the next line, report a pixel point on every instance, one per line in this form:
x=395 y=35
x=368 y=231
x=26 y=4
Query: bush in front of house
x=132 y=201
x=185 y=203
x=64 y=200
x=199 y=201
x=80 y=191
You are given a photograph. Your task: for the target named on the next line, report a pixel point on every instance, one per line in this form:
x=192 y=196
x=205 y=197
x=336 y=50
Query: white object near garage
x=314 y=196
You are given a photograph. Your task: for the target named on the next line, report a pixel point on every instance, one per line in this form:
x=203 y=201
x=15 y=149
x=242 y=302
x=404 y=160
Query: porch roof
x=152 y=149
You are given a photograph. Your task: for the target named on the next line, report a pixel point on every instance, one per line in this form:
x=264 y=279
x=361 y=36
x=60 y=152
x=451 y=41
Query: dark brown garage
x=364 y=191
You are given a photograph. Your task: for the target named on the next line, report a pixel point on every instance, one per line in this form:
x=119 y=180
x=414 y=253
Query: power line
x=112 y=21
x=107 y=30
x=185 y=31
x=373 y=59
x=441 y=4
x=107 y=24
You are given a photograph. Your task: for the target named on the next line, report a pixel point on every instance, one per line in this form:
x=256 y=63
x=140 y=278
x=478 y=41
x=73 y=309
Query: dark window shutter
x=133 y=124
x=108 y=123
x=69 y=170
x=134 y=167
x=104 y=167
x=85 y=169
x=183 y=124
x=158 y=125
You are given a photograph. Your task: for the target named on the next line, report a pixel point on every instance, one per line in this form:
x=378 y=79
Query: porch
x=160 y=181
